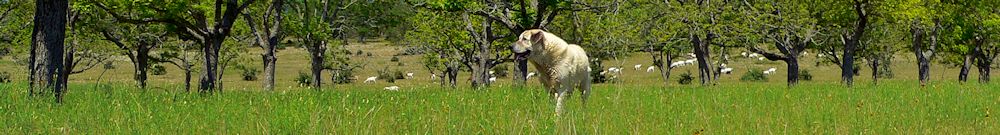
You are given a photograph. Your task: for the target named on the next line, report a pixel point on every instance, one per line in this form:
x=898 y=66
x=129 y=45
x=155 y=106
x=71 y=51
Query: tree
x=137 y=48
x=788 y=28
x=191 y=21
x=267 y=32
x=47 y=50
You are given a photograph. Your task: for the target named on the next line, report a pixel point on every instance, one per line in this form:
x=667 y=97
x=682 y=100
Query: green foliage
x=501 y=71
x=757 y=75
x=390 y=75
x=248 y=71
x=304 y=79
x=394 y=59
x=805 y=75
x=685 y=78
x=157 y=69
x=5 y=77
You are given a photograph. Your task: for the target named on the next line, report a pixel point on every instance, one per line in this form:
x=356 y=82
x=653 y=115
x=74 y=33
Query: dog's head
x=528 y=41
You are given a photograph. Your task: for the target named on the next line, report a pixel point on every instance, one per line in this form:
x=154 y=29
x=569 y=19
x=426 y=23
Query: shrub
x=109 y=65
x=369 y=54
x=805 y=75
x=157 y=69
x=359 y=52
x=303 y=79
x=595 y=72
x=394 y=59
x=5 y=77
x=342 y=75
x=686 y=78
x=389 y=75
x=500 y=71
x=249 y=72
x=400 y=64
x=754 y=75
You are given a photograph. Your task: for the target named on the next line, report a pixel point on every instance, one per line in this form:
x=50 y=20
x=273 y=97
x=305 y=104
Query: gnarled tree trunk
x=48 y=35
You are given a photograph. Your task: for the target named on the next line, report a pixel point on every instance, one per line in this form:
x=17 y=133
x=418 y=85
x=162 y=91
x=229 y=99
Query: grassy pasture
x=641 y=104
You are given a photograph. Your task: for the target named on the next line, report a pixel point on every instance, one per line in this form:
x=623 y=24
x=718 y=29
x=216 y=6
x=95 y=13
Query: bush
x=595 y=72
x=359 y=52
x=5 y=77
x=249 y=72
x=686 y=78
x=109 y=65
x=754 y=75
x=342 y=75
x=394 y=59
x=369 y=54
x=158 y=69
x=400 y=64
x=805 y=75
x=500 y=71
x=389 y=75
x=303 y=79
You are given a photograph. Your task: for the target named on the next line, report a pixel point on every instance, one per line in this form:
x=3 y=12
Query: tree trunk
x=49 y=32
x=141 y=64
x=963 y=75
x=984 y=73
x=269 y=62
x=874 y=65
x=316 y=58
x=211 y=54
x=793 y=69
x=923 y=63
x=847 y=65
x=701 y=54
x=665 y=70
x=187 y=80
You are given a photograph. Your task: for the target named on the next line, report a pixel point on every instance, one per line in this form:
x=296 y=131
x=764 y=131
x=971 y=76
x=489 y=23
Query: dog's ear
x=538 y=37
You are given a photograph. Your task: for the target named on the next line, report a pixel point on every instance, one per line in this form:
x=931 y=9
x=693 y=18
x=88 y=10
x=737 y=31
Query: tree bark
x=963 y=75
x=701 y=54
x=847 y=65
x=316 y=58
x=50 y=33
x=923 y=63
x=210 y=75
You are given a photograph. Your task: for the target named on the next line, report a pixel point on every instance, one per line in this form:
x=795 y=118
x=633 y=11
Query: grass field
x=641 y=104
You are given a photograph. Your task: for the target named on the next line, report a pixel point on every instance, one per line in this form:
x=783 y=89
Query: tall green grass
x=744 y=108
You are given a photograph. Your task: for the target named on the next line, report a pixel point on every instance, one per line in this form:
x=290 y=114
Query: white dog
x=563 y=66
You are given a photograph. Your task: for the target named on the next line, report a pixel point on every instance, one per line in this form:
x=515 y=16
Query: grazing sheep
x=677 y=64
x=409 y=75
x=637 y=67
x=650 y=69
x=433 y=76
x=760 y=58
x=690 y=61
x=691 y=55
x=529 y=75
x=371 y=79
x=726 y=70
x=392 y=88
x=614 y=70
x=744 y=54
x=493 y=79
x=770 y=71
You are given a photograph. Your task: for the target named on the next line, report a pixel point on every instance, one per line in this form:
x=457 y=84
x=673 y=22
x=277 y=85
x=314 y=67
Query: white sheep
x=493 y=79
x=677 y=64
x=760 y=58
x=691 y=55
x=637 y=67
x=409 y=75
x=392 y=88
x=433 y=76
x=371 y=79
x=650 y=69
x=726 y=70
x=744 y=54
x=770 y=71
x=529 y=75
